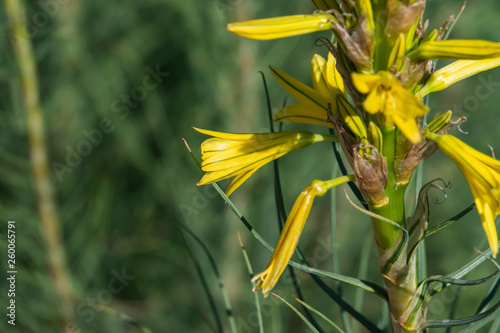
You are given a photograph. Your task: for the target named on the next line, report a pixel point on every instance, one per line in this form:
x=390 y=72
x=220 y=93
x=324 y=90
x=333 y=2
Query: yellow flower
x=229 y=155
x=313 y=102
x=289 y=238
x=279 y=27
x=483 y=175
x=455 y=72
x=386 y=95
x=456 y=49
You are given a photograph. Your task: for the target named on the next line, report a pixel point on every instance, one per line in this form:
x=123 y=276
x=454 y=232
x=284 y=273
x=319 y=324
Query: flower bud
x=370 y=169
x=401 y=17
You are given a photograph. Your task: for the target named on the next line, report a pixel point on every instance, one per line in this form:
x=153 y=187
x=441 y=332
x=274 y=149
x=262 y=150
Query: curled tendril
x=459 y=122
x=323 y=41
x=441 y=188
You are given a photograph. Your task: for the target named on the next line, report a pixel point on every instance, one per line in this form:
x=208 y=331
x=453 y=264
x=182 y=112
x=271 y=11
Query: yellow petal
x=324 y=81
x=279 y=27
x=334 y=78
x=241 y=178
x=365 y=82
x=289 y=237
x=488 y=219
x=351 y=118
x=303 y=93
x=456 y=49
x=455 y=72
x=300 y=113
x=318 y=64
x=409 y=127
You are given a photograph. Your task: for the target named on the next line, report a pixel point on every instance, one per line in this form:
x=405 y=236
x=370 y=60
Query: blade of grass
x=204 y=283
x=225 y=297
x=256 y=295
x=311 y=326
x=320 y=314
x=333 y=235
x=362 y=271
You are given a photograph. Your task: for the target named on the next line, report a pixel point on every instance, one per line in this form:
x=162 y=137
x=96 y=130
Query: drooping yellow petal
x=456 y=49
x=279 y=27
x=455 y=72
x=482 y=172
x=289 y=238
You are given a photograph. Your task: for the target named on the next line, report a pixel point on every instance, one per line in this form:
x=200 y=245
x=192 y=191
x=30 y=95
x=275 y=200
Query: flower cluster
x=369 y=89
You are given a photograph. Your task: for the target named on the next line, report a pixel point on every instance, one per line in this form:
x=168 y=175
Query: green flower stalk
x=369 y=89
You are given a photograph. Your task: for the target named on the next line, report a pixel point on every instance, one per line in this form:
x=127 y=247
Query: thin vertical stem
x=50 y=229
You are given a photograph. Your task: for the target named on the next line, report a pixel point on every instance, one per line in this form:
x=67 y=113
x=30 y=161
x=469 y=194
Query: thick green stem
x=400 y=277
x=387 y=234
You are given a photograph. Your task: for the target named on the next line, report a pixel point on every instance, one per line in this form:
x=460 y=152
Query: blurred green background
x=131 y=78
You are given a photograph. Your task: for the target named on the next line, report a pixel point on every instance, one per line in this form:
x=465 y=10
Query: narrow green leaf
x=299 y=314
x=320 y=314
x=475 y=322
x=256 y=295
x=204 y=283
x=450 y=221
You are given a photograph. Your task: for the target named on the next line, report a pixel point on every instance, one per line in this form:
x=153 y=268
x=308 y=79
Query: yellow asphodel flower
x=386 y=95
x=455 y=72
x=289 y=238
x=313 y=102
x=483 y=175
x=279 y=27
x=229 y=155
x=456 y=49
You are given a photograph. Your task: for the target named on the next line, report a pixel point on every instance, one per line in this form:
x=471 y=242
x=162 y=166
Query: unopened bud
x=409 y=156
x=401 y=17
x=370 y=169
x=358 y=40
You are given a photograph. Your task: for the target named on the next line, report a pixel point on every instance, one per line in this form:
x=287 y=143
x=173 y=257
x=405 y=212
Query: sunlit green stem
x=382 y=47
x=386 y=234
